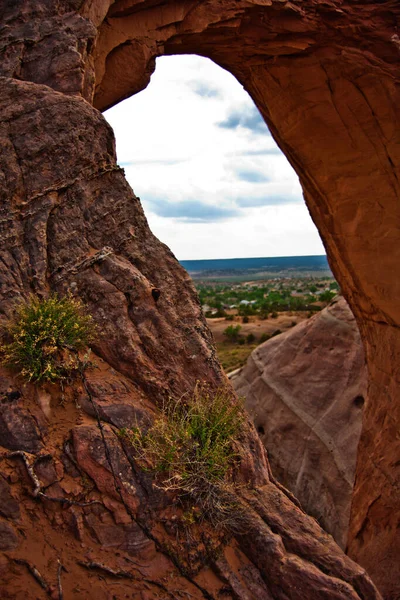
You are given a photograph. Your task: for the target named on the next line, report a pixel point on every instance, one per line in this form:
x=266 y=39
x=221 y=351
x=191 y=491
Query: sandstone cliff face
x=324 y=76
x=305 y=392
x=80 y=228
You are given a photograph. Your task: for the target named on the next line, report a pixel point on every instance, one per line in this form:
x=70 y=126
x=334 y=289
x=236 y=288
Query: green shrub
x=232 y=332
x=190 y=450
x=276 y=332
x=327 y=296
x=44 y=337
x=264 y=337
x=250 y=338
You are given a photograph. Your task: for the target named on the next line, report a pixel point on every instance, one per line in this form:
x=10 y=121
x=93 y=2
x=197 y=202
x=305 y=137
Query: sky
x=212 y=181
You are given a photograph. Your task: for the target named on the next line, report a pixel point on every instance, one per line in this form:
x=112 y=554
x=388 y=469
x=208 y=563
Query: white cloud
x=263 y=231
x=211 y=179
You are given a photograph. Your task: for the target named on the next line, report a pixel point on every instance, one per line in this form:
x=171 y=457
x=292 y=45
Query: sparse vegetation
x=190 y=449
x=261 y=298
x=232 y=333
x=233 y=356
x=327 y=296
x=259 y=307
x=264 y=337
x=276 y=332
x=250 y=338
x=43 y=339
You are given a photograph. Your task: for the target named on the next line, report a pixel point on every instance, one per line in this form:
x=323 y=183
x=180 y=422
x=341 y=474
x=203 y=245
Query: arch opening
x=211 y=179
x=209 y=175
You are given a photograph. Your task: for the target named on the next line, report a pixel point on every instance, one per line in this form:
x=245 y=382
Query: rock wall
x=325 y=77
x=305 y=391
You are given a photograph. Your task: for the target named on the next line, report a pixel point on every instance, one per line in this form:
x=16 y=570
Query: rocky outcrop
x=72 y=478
x=324 y=74
x=81 y=514
x=305 y=391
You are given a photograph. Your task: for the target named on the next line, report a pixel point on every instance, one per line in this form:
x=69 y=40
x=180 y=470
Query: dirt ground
x=234 y=355
x=255 y=325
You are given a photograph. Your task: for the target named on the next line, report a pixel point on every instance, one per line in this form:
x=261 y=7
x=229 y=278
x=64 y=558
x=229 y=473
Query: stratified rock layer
x=305 y=391
x=324 y=74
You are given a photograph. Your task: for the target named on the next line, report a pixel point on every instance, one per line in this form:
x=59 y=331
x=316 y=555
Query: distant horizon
x=250 y=257
x=257 y=266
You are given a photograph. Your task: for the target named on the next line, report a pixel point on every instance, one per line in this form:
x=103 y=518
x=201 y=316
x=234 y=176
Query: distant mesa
x=258 y=267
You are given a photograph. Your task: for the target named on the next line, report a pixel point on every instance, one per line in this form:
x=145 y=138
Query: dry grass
x=190 y=450
x=233 y=356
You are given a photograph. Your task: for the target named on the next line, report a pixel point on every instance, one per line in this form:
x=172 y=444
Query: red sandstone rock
x=9 y=507
x=324 y=75
x=8 y=537
x=305 y=391
x=106 y=465
x=129 y=538
x=18 y=430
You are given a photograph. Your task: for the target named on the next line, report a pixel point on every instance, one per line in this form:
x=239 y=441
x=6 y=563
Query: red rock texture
x=324 y=74
x=305 y=391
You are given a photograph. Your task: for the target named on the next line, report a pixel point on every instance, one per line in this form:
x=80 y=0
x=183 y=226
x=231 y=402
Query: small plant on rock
x=44 y=337
x=190 y=450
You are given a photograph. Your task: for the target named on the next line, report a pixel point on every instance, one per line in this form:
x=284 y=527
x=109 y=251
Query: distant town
x=262 y=298
x=248 y=301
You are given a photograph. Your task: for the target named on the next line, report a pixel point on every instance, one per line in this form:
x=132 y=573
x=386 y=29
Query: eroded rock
x=305 y=391
x=129 y=537
x=18 y=429
x=9 y=507
x=8 y=537
x=103 y=459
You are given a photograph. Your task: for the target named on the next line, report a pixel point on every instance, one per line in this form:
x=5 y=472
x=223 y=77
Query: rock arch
x=324 y=74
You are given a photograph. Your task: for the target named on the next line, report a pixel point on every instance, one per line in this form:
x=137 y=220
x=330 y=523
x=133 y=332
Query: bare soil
x=234 y=355
x=256 y=326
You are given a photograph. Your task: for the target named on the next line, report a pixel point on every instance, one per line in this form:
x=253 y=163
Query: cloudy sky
x=211 y=179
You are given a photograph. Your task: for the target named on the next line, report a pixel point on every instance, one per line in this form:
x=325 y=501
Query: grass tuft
x=190 y=450
x=44 y=337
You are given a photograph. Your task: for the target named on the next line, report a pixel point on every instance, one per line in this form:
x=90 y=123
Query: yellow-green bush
x=190 y=450
x=43 y=338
